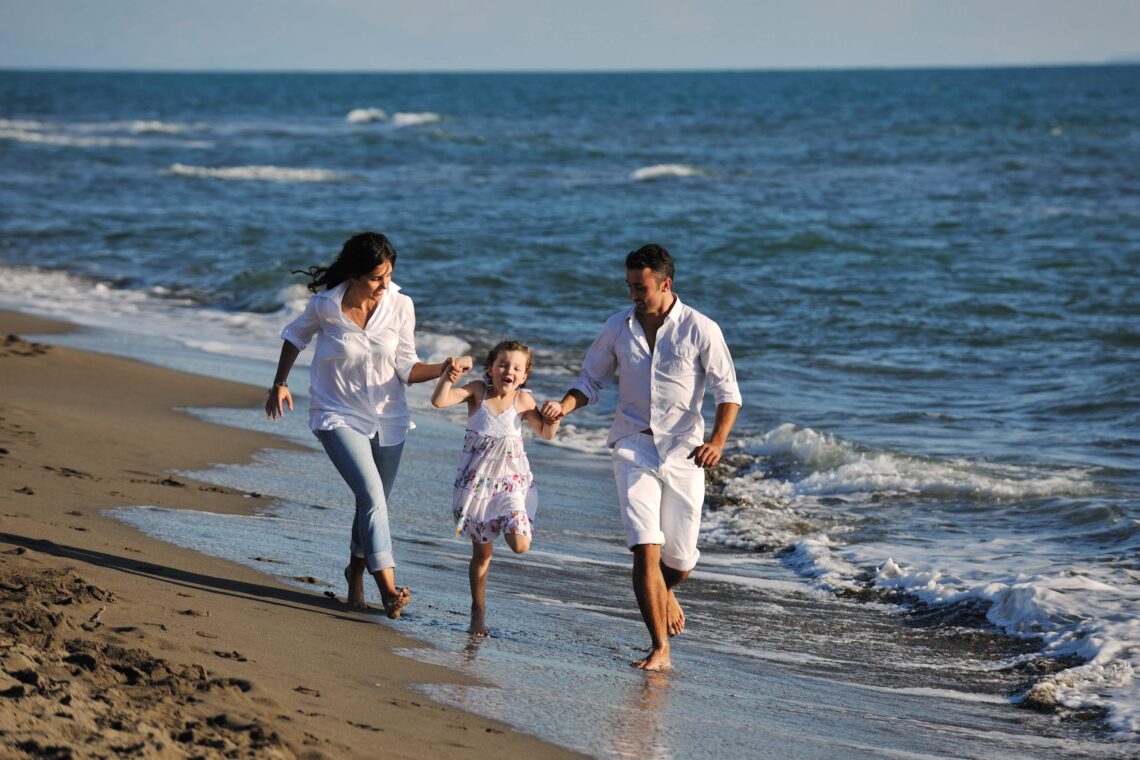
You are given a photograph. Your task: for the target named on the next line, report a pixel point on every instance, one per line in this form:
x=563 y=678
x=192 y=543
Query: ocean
x=925 y=538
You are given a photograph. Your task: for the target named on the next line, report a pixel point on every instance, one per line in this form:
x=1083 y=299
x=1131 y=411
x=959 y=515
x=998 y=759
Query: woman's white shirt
x=358 y=376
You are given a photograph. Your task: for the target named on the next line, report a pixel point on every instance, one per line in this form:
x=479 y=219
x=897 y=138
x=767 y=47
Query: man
x=663 y=352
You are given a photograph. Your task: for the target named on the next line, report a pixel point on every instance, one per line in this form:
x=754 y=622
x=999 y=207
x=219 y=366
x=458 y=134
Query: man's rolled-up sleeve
x=599 y=365
x=720 y=373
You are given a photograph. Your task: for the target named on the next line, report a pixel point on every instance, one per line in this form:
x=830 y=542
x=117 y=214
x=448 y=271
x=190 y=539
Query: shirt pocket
x=630 y=352
x=680 y=361
x=337 y=343
x=384 y=343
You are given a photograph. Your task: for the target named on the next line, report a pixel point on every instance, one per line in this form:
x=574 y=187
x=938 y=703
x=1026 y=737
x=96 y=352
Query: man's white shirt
x=661 y=390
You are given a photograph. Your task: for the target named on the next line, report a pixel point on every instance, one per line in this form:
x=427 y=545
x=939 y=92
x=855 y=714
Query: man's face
x=650 y=293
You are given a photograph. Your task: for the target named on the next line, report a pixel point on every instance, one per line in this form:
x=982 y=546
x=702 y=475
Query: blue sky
x=465 y=35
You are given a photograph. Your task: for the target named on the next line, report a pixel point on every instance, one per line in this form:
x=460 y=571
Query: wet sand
x=115 y=643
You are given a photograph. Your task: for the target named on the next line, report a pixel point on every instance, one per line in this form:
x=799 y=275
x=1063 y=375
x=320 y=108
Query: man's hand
x=707 y=454
x=552 y=412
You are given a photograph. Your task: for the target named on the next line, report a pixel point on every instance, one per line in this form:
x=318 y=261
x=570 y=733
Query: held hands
x=279 y=398
x=552 y=412
x=456 y=367
x=706 y=455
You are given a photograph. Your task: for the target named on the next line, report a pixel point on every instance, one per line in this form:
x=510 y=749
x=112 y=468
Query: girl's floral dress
x=494 y=489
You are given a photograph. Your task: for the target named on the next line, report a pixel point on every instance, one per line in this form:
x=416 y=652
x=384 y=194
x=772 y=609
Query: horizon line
x=1120 y=62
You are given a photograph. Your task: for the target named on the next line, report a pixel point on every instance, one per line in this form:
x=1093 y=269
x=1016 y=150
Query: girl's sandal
x=394 y=604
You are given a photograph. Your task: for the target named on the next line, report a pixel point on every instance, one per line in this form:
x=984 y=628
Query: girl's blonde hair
x=500 y=347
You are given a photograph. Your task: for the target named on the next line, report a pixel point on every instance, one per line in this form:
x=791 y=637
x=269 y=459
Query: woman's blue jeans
x=369 y=469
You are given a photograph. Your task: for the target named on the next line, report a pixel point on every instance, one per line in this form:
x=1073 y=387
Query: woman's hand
x=279 y=398
x=457 y=366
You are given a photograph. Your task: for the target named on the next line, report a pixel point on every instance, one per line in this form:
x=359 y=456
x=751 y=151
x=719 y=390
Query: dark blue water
x=928 y=280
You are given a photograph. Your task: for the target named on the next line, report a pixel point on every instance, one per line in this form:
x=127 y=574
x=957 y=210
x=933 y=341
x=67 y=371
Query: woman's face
x=373 y=284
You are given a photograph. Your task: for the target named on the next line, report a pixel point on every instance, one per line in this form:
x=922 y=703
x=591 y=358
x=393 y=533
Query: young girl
x=494 y=491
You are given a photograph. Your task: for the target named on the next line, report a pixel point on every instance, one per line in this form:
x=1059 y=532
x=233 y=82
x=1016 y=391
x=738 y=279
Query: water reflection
x=640 y=720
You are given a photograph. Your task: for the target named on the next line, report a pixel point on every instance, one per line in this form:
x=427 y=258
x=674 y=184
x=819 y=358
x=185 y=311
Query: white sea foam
x=365 y=115
x=21 y=124
x=839 y=468
x=248 y=335
x=1089 y=612
x=414 y=119
x=158 y=127
x=57 y=138
x=660 y=171
x=1084 y=612
x=258 y=173
x=811 y=491
x=133 y=133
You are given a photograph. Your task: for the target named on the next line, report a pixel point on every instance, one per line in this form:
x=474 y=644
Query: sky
x=545 y=35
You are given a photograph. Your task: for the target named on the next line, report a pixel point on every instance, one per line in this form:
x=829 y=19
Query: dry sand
x=113 y=643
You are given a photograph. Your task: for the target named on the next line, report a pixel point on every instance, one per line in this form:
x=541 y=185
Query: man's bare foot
x=658 y=659
x=355 y=589
x=674 y=615
x=398 y=601
x=478 y=625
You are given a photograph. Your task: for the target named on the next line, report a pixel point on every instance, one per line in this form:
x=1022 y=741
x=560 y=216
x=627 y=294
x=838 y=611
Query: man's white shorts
x=660 y=502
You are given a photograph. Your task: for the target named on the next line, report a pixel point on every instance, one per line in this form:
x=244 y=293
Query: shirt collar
x=338 y=291
x=674 y=314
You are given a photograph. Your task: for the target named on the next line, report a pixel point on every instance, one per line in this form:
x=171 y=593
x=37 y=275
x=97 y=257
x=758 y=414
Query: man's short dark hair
x=653 y=257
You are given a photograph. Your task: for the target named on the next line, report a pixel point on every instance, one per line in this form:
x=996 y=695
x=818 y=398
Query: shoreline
x=81 y=432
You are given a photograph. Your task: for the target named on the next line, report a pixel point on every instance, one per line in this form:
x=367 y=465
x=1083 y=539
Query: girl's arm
x=445 y=394
x=546 y=430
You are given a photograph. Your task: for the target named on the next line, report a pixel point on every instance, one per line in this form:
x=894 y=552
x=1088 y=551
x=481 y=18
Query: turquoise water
x=927 y=278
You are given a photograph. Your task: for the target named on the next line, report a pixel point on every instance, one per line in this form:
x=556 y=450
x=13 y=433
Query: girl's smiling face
x=508 y=371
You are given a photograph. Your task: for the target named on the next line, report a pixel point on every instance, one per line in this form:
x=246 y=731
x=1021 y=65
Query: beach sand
x=115 y=643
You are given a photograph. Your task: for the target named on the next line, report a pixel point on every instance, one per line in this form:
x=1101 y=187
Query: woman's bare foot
x=658 y=659
x=398 y=601
x=674 y=615
x=478 y=625
x=355 y=588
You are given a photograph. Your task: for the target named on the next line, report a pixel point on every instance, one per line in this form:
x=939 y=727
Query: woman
x=365 y=355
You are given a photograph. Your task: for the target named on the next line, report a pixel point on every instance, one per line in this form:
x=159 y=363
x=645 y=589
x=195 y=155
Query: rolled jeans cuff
x=375 y=562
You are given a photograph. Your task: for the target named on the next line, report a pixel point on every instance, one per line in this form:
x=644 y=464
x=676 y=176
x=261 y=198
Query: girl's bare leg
x=477 y=573
x=519 y=544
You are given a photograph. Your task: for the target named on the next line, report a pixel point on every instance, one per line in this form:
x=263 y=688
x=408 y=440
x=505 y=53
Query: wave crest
x=414 y=119
x=660 y=171
x=259 y=173
x=366 y=115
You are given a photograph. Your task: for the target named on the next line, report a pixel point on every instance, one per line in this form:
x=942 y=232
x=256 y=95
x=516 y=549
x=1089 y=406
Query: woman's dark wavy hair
x=360 y=255
x=500 y=347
